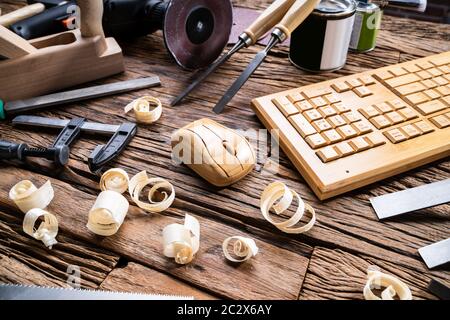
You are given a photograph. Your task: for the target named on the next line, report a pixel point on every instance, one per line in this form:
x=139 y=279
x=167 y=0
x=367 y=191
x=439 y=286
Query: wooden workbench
x=329 y=262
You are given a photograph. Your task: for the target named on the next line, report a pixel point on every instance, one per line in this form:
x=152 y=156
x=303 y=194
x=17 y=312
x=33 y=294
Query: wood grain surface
x=329 y=262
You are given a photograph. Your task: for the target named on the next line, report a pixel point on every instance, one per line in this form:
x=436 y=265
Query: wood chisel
x=23 y=292
x=297 y=13
x=436 y=254
x=21 y=106
x=249 y=37
x=410 y=200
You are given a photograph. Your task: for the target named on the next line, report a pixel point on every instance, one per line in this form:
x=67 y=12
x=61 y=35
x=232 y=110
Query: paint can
x=366 y=27
x=321 y=42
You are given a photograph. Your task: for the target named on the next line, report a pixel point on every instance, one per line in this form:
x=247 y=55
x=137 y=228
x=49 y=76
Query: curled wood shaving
x=182 y=241
x=140 y=181
x=394 y=287
x=26 y=196
x=278 y=191
x=143 y=109
x=108 y=213
x=243 y=248
x=48 y=229
x=114 y=180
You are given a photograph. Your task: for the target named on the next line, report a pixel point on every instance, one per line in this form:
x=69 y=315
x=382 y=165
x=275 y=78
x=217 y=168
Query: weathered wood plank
x=137 y=278
x=25 y=260
x=139 y=239
x=336 y=274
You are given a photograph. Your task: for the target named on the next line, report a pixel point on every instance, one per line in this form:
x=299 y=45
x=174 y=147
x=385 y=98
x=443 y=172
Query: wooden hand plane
x=48 y=64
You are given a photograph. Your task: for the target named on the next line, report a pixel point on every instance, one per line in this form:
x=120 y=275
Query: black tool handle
x=104 y=154
x=44 y=23
x=11 y=150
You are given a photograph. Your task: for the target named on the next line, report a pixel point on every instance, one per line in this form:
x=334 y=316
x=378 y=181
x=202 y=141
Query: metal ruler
x=410 y=200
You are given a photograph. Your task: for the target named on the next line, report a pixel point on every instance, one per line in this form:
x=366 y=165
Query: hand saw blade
x=23 y=292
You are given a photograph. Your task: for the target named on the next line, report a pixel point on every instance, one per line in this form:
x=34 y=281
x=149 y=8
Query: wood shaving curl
x=26 y=196
x=140 y=181
x=108 y=213
x=394 y=287
x=243 y=248
x=114 y=180
x=143 y=109
x=47 y=230
x=182 y=241
x=278 y=191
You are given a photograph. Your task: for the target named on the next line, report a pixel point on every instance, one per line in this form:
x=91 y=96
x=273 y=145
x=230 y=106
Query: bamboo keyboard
x=348 y=132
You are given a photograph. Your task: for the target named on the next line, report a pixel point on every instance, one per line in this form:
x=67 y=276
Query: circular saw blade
x=197 y=31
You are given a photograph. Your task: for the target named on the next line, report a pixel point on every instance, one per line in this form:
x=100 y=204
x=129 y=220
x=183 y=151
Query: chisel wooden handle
x=91 y=18
x=299 y=11
x=21 y=14
x=268 y=19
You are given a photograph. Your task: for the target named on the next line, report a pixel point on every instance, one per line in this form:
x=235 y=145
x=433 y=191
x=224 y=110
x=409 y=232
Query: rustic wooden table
x=329 y=262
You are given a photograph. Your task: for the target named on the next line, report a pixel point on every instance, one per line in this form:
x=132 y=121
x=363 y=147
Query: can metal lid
x=335 y=8
x=367 y=7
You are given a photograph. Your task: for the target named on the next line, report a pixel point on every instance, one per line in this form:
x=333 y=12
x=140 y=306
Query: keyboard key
x=431 y=107
x=363 y=92
x=328 y=154
x=400 y=81
x=411 y=68
x=410 y=88
x=351 y=116
x=295 y=97
x=440 y=60
x=317 y=91
x=333 y=98
x=304 y=105
x=408 y=113
x=347 y=132
x=383 y=107
x=429 y=83
x=327 y=111
x=381 y=122
x=337 y=121
x=375 y=139
x=448 y=115
x=443 y=90
x=312 y=115
x=411 y=131
x=332 y=136
x=398 y=71
x=367 y=80
x=395 y=136
x=424 y=75
x=340 y=87
x=359 y=144
x=397 y=104
x=302 y=125
x=424 y=127
x=285 y=106
x=318 y=102
x=395 y=117
x=432 y=94
x=445 y=69
x=441 y=81
x=424 y=64
x=417 y=98
x=369 y=112
x=341 y=108
x=441 y=121
x=321 y=125
x=354 y=83
x=344 y=149
x=316 y=141
x=435 y=72
x=384 y=75
x=446 y=100
x=362 y=127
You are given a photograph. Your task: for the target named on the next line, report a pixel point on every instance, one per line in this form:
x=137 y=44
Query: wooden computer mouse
x=218 y=154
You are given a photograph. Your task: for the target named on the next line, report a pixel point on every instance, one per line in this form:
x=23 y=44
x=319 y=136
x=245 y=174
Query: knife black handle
x=44 y=23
